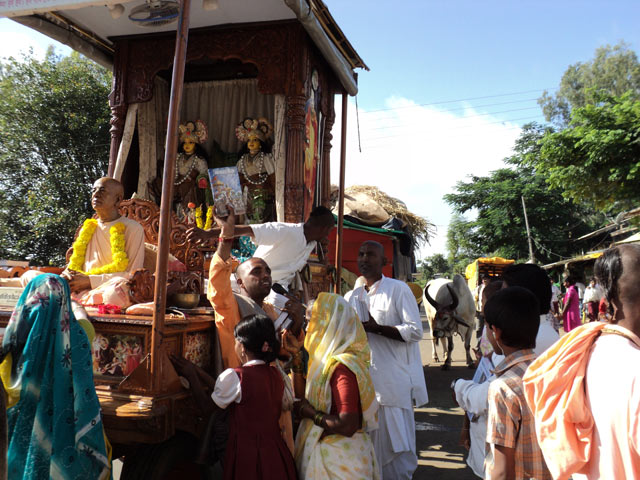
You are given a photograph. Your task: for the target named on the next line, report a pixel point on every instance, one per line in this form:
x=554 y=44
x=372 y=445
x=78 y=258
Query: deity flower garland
x=198 y=214
x=116 y=239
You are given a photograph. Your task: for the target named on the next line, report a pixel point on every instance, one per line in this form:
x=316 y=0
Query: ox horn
x=454 y=297
x=433 y=303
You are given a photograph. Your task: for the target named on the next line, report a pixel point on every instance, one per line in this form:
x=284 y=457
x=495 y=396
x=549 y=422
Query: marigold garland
x=119 y=262
x=208 y=224
x=199 y=216
x=209 y=220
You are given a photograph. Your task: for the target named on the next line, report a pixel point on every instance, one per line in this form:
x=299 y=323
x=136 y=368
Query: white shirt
x=228 y=389
x=580 y=287
x=555 y=295
x=473 y=399
x=547 y=335
x=396 y=367
x=284 y=247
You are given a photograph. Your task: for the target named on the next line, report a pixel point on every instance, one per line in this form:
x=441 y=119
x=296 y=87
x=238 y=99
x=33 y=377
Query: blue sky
x=416 y=140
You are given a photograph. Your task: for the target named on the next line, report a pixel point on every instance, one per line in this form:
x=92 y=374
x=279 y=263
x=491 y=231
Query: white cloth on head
x=396 y=371
x=284 y=247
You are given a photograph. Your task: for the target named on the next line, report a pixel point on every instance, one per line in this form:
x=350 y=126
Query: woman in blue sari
x=53 y=415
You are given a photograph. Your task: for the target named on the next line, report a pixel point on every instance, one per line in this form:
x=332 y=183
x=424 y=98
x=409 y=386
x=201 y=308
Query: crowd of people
x=326 y=390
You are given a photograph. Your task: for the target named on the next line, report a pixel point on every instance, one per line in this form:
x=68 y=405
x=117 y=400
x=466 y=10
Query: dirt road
x=438 y=423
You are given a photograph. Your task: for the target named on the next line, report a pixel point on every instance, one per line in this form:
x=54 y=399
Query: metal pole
x=526 y=222
x=343 y=161
x=170 y=153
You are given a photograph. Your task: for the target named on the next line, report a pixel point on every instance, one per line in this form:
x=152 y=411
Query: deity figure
x=256 y=168
x=191 y=181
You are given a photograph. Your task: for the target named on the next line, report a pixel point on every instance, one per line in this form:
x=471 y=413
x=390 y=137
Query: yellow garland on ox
x=116 y=239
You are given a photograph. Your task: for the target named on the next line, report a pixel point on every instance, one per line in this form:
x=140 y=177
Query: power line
x=465 y=126
x=454 y=101
x=463 y=118
x=475 y=107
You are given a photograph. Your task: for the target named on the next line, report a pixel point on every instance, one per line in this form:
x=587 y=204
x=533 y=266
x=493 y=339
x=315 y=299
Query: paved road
x=438 y=425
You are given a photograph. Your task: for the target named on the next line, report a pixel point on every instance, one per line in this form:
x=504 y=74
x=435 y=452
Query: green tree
x=54 y=131
x=613 y=70
x=433 y=266
x=499 y=228
x=460 y=247
x=597 y=158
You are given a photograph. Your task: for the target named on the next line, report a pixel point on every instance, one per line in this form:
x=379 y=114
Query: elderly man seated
x=104 y=253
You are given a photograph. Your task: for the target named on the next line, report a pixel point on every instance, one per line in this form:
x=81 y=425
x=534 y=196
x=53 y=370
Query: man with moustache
x=393 y=329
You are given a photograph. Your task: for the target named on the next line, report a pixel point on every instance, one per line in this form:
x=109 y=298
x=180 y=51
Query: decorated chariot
x=198 y=86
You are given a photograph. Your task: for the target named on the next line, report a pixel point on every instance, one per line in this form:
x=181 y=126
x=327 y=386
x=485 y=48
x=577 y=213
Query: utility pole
x=526 y=222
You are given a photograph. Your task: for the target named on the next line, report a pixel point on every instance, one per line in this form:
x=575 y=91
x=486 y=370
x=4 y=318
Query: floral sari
x=53 y=415
x=335 y=336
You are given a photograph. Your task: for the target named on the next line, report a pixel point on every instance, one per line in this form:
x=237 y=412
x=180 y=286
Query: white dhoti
x=395 y=442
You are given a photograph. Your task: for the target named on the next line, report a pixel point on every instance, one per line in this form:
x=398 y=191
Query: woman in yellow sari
x=340 y=404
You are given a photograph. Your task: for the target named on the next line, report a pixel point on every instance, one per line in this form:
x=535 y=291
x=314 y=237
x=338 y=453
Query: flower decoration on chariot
x=259 y=128
x=194 y=131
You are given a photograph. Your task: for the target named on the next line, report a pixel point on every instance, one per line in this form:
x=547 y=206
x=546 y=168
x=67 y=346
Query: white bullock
x=450 y=309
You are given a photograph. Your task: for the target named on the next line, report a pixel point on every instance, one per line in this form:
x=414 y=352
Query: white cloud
x=417 y=154
x=16 y=39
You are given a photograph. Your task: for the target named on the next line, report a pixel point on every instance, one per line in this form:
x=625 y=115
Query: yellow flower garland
x=199 y=216
x=116 y=239
x=209 y=221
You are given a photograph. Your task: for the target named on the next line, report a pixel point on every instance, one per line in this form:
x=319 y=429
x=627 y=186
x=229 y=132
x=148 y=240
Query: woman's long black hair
x=253 y=332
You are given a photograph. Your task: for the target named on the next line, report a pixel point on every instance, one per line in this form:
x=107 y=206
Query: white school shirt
x=396 y=367
x=284 y=247
x=228 y=389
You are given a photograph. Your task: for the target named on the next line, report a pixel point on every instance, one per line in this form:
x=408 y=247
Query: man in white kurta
x=107 y=288
x=393 y=329
x=285 y=247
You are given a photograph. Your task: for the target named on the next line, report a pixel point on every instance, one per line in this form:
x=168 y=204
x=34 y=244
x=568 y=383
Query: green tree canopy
x=597 y=158
x=434 y=265
x=460 y=247
x=499 y=228
x=54 y=131
x=613 y=70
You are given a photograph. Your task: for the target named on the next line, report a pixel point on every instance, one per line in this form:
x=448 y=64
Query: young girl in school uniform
x=255 y=449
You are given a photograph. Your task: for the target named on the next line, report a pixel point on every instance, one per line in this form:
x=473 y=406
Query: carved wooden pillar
x=117 y=103
x=294 y=174
x=325 y=192
x=118 y=116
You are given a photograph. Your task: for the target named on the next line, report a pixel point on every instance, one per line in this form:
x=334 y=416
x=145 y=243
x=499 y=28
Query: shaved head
x=371 y=259
x=375 y=245
x=106 y=195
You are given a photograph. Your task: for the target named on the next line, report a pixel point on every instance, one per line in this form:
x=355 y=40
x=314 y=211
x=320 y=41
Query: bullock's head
x=446 y=317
